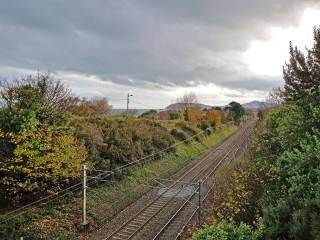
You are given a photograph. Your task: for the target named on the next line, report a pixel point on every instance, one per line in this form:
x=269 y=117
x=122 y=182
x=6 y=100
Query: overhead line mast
x=128 y=101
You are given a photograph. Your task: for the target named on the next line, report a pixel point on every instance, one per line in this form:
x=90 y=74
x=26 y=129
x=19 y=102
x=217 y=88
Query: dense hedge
x=283 y=171
x=180 y=136
x=229 y=231
x=38 y=151
x=114 y=142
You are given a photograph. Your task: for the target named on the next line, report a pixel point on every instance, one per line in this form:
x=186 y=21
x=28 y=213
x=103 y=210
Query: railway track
x=203 y=169
x=175 y=226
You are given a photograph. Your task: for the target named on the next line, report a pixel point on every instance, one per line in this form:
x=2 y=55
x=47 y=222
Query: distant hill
x=255 y=105
x=250 y=105
x=181 y=106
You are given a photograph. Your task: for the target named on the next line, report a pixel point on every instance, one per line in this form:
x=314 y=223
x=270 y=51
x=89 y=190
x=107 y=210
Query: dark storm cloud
x=142 y=43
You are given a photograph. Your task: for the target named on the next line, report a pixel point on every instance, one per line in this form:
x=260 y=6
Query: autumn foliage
x=38 y=150
x=198 y=117
x=37 y=161
x=214 y=117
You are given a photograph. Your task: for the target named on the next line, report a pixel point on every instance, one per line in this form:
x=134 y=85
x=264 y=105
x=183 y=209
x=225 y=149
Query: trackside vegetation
x=275 y=192
x=133 y=186
x=59 y=219
x=47 y=134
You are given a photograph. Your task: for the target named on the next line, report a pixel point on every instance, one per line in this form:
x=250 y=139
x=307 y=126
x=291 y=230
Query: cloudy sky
x=222 y=50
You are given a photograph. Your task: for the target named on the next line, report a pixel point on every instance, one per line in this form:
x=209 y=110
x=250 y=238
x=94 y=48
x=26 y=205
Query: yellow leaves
x=46 y=225
x=214 y=116
x=194 y=116
x=234 y=191
x=42 y=158
x=26 y=170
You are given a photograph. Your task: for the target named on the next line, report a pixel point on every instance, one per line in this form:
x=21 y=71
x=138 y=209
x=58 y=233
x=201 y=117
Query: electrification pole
x=199 y=202
x=128 y=100
x=84 y=199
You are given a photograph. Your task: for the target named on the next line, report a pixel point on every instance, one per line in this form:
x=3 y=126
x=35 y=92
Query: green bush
x=291 y=208
x=229 y=231
x=190 y=130
x=38 y=151
x=206 y=127
x=174 y=115
x=180 y=136
x=34 y=162
x=287 y=151
x=37 y=224
x=118 y=141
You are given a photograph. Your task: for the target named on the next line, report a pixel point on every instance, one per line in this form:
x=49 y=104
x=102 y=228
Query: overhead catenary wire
x=50 y=198
x=116 y=99
x=163 y=150
x=78 y=186
x=42 y=199
x=146 y=185
x=142 y=104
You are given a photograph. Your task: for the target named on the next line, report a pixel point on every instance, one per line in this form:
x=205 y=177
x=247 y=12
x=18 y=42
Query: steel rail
x=189 y=168
x=186 y=202
x=176 y=182
x=203 y=200
x=203 y=162
x=243 y=140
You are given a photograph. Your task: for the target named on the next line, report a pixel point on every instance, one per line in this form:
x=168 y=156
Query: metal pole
x=84 y=193
x=128 y=102
x=199 y=202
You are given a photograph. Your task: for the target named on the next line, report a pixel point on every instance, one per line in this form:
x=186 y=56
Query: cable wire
x=68 y=190
x=143 y=104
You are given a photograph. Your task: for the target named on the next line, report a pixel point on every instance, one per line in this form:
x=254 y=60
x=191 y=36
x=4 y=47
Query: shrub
x=205 y=126
x=214 y=117
x=35 y=224
x=123 y=140
x=190 y=130
x=238 y=189
x=174 y=115
x=229 y=231
x=180 y=136
x=34 y=162
x=194 y=116
x=38 y=152
x=94 y=107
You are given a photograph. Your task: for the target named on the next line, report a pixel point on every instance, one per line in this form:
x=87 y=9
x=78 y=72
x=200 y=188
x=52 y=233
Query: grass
x=57 y=221
x=117 y=196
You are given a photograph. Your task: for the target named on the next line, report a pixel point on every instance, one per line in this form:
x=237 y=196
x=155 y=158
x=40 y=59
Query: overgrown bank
x=131 y=187
x=58 y=219
x=277 y=189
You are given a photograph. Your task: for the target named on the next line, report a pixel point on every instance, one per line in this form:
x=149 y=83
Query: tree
x=214 y=117
x=275 y=97
x=93 y=107
x=194 y=116
x=302 y=74
x=38 y=150
x=35 y=162
x=46 y=97
x=236 y=111
x=188 y=100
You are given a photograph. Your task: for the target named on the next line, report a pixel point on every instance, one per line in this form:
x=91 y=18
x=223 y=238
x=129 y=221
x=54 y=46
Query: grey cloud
x=152 y=43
